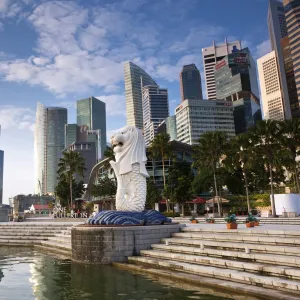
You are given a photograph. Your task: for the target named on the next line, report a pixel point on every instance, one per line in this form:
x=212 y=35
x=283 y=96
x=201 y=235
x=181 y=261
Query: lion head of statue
x=129 y=148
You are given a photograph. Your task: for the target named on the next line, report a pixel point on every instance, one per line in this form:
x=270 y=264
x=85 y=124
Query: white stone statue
x=130 y=169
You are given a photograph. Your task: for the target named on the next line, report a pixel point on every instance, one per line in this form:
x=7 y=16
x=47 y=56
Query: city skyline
x=87 y=57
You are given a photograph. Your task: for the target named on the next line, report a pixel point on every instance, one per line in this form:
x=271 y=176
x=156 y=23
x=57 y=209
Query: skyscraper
x=91 y=117
x=135 y=79
x=56 y=120
x=277 y=31
x=290 y=77
x=292 y=17
x=211 y=55
x=155 y=110
x=271 y=95
x=1 y=175
x=70 y=134
x=190 y=83
x=49 y=142
x=168 y=126
x=235 y=80
x=193 y=118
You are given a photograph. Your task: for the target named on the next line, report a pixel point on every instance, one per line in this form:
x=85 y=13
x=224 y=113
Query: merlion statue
x=130 y=169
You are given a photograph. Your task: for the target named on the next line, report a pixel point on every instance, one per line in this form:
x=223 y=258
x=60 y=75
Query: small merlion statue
x=130 y=169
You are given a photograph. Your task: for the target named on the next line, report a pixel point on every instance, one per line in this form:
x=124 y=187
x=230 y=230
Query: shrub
x=250 y=218
x=231 y=219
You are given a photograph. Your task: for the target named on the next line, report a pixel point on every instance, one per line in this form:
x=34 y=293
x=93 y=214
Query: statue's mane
x=135 y=152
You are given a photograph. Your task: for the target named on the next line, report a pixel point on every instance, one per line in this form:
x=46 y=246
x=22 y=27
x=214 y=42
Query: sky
x=57 y=52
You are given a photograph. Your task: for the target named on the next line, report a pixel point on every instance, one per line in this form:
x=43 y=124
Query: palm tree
x=161 y=148
x=290 y=139
x=208 y=154
x=241 y=156
x=264 y=138
x=70 y=164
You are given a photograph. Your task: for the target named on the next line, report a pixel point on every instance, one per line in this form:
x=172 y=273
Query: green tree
x=240 y=155
x=264 y=138
x=153 y=194
x=208 y=153
x=179 y=187
x=62 y=190
x=290 y=139
x=69 y=165
x=160 y=148
x=108 y=153
x=106 y=187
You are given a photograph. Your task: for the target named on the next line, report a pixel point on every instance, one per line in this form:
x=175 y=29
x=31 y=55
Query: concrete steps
x=55 y=238
x=263 y=257
x=265 y=269
x=225 y=274
x=277 y=259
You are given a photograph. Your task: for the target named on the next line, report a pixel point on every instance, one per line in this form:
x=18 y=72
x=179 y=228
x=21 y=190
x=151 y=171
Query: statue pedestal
x=104 y=244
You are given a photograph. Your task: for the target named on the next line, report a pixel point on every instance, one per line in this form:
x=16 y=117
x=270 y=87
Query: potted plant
x=250 y=220
x=210 y=220
x=193 y=220
x=231 y=222
x=256 y=222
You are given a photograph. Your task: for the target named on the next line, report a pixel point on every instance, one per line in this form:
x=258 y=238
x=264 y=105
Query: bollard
x=247 y=250
x=167 y=243
x=202 y=246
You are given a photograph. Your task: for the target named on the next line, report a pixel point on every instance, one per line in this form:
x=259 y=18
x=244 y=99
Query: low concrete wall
x=289 y=203
x=3 y=214
x=104 y=245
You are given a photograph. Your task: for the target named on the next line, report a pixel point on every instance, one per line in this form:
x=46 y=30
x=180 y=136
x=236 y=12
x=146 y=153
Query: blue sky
x=57 y=52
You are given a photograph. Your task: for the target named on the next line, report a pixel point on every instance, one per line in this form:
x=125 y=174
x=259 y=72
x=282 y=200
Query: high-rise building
x=155 y=110
x=91 y=117
x=70 y=134
x=290 y=78
x=1 y=175
x=277 y=31
x=49 y=142
x=193 y=118
x=211 y=55
x=235 y=80
x=88 y=152
x=168 y=126
x=292 y=17
x=190 y=83
x=271 y=95
x=135 y=79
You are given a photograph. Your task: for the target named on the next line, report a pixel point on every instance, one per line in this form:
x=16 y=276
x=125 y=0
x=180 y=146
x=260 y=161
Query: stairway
x=52 y=237
x=267 y=259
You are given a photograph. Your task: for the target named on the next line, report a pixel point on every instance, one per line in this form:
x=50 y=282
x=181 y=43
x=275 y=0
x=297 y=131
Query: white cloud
x=16 y=117
x=4 y=5
x=115 y=104
x=111 y=88
x=197 y=37
x=262 y=49
x=41 y=61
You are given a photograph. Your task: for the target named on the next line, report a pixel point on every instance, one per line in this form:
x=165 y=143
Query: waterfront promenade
x=263 y=261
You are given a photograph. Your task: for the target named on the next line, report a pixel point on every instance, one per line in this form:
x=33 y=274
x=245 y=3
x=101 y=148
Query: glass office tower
x=91 y=117
x=190 y=83
x=49 y=142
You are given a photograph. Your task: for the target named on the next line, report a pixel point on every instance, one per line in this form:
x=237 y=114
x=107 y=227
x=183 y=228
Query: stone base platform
x=107 y=244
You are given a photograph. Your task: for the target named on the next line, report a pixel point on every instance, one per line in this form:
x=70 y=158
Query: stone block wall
x=104 y=245
x=3 y=214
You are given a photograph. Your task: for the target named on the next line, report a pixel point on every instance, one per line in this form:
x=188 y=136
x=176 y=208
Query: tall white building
x=135 y=79
x=155 y=110
x=271 y=94
x=49 y=142
x=211 y=55
x=194 y=117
